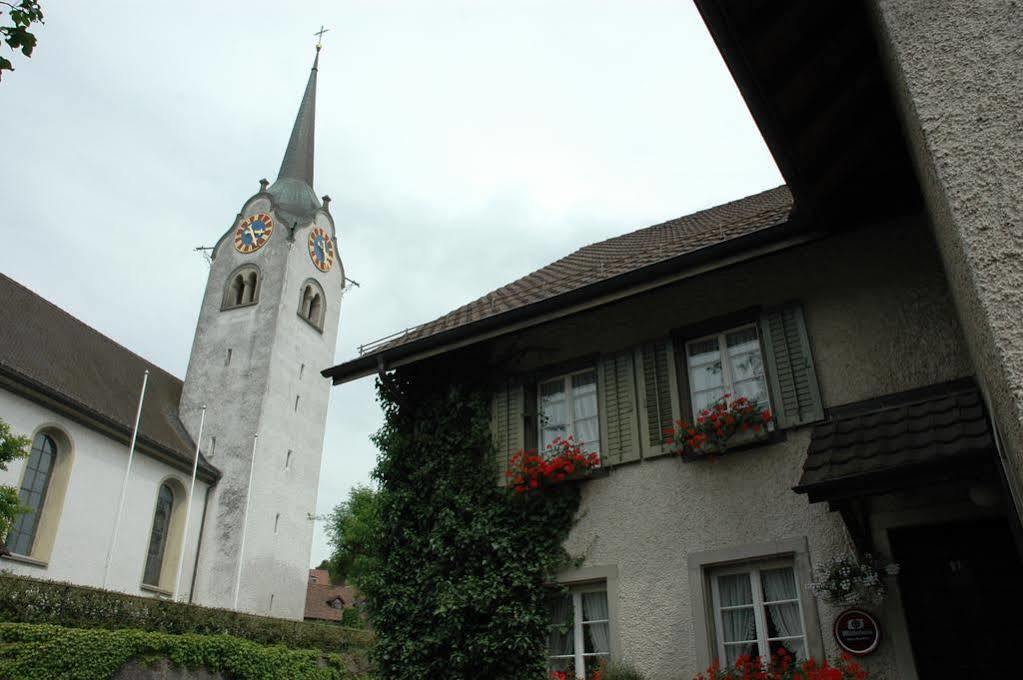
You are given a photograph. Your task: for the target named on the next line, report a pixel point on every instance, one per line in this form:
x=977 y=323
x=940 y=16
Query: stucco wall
x=90 y=504
x=957 y=69
x=879 y=319
x=276 y=356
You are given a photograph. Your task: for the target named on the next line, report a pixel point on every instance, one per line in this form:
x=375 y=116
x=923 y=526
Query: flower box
x=729 y=424
x=563 y=460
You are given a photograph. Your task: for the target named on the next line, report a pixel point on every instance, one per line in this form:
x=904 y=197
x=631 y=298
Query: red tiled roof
x=619 y=255
x=319 y=594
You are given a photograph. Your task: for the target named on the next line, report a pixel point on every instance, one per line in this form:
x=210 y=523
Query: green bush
x=45 y=652
x=27 y=600
x=460 y=584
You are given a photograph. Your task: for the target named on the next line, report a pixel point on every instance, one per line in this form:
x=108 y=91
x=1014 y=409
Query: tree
x=11 y=448
x=16 y=34
x=352 y=531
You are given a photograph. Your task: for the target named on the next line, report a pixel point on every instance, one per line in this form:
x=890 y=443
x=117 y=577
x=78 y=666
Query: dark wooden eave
x=812 y=76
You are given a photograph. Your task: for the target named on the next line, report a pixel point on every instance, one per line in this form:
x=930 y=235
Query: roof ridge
x=92 y=329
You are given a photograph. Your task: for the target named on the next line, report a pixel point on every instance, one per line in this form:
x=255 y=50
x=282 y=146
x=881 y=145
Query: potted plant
x=715 y=428
x=849 y=580
x=562 y=459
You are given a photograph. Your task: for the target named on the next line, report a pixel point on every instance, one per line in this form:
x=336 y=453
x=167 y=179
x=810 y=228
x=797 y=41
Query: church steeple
x=293 y=189
x=298 y=158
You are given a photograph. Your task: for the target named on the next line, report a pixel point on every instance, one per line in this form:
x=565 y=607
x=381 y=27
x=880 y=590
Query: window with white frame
x=730 y=362
x=568 y=407
x=757 y=611
x=580 y=637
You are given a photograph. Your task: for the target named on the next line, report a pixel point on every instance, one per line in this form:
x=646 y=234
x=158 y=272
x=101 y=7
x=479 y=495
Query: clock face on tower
x=253 y=233
x=321 y=249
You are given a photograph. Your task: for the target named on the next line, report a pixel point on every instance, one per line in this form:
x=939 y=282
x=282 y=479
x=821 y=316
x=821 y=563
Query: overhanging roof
x=596 y=270
x=897 y=441
x=812 y=76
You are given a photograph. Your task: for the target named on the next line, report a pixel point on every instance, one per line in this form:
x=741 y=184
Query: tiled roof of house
x=927 y=426
x=320 y=594
x=46 y=349
x=619 y=255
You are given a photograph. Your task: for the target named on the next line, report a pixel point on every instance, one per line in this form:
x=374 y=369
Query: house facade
x=870 y=303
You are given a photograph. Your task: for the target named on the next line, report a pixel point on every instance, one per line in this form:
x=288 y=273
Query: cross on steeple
x=319 y=37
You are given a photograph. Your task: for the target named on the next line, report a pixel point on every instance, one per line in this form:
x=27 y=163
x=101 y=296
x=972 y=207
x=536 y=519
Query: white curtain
x=780 y=584
x=739 y=624
x=561 y=639
x=595 y=609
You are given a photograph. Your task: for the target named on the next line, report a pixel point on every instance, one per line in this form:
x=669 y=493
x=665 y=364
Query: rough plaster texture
x=880 y=320
x=86 y=516
x=957 y=70
x=276 y=356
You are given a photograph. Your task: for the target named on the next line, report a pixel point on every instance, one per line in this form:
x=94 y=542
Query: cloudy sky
x=465 y=143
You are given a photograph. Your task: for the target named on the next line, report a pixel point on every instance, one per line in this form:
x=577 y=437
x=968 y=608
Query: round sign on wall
x=857 y=632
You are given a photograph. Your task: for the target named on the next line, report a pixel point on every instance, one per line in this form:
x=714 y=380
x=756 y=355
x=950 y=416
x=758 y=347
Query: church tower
x=267 y=326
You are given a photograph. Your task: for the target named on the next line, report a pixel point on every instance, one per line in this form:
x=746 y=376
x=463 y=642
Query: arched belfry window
x=312 y=304
x=32 y=495
x=242 y=287
x=159 y=536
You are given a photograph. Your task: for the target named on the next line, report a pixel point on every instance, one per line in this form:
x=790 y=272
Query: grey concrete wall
x=276 y=357
x=957 y=69
x=880 y=320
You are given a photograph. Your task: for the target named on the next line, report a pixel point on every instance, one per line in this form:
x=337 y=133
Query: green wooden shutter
x=659 y=394
x=617 y=390
x=506 y=425
x=795 y=395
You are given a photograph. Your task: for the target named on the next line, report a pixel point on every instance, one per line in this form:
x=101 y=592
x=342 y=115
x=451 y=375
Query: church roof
x=590 y=271
x=53 y=358
x=293 y=189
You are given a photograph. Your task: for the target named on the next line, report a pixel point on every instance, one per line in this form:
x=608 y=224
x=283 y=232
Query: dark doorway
x=962 y=589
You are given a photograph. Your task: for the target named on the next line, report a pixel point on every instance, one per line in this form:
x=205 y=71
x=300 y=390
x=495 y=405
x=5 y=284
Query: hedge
x=46 y=652
x=28 y=600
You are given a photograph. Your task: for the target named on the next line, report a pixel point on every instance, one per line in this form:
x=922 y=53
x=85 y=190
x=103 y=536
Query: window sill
x=744 y=441
x=227 y=308
x=318 y=329
x=156 y=589
x=25 y=559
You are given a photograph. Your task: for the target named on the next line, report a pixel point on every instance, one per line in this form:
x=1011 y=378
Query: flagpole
x=188 y=504
x=245 y=523
x=124 y=484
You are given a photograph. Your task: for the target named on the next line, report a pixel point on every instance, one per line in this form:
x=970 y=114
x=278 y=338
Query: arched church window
x=242 y=287
x=312 y=304
x=159 y=536
x=32 y=495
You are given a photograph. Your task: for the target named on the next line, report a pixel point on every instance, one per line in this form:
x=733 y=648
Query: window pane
x=779 y=584
x=561 y=639
x=158 y=539
x=595 y=606
x=596 y=638
x=32 y=494
x=584 y=382
x=733 y=652
x=706 y=376
x=795 y=647
x=594 y=663
x=552 y=404
x=704 y=400
x=735 y=589
x=566 y=666
x=754 y=390
x=783 y=620
x=739 y=625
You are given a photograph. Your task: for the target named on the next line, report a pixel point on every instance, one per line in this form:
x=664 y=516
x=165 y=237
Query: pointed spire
x=298 y=158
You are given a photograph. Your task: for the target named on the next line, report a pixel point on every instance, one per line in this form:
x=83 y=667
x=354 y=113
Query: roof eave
x=757 y=244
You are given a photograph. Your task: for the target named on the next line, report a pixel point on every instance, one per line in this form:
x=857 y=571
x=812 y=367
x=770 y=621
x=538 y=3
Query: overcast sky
x=464 y=144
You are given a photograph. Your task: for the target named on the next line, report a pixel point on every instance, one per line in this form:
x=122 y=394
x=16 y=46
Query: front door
x=962 y=590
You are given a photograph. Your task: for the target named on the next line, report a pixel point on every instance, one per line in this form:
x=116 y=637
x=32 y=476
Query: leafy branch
x=16 y=34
